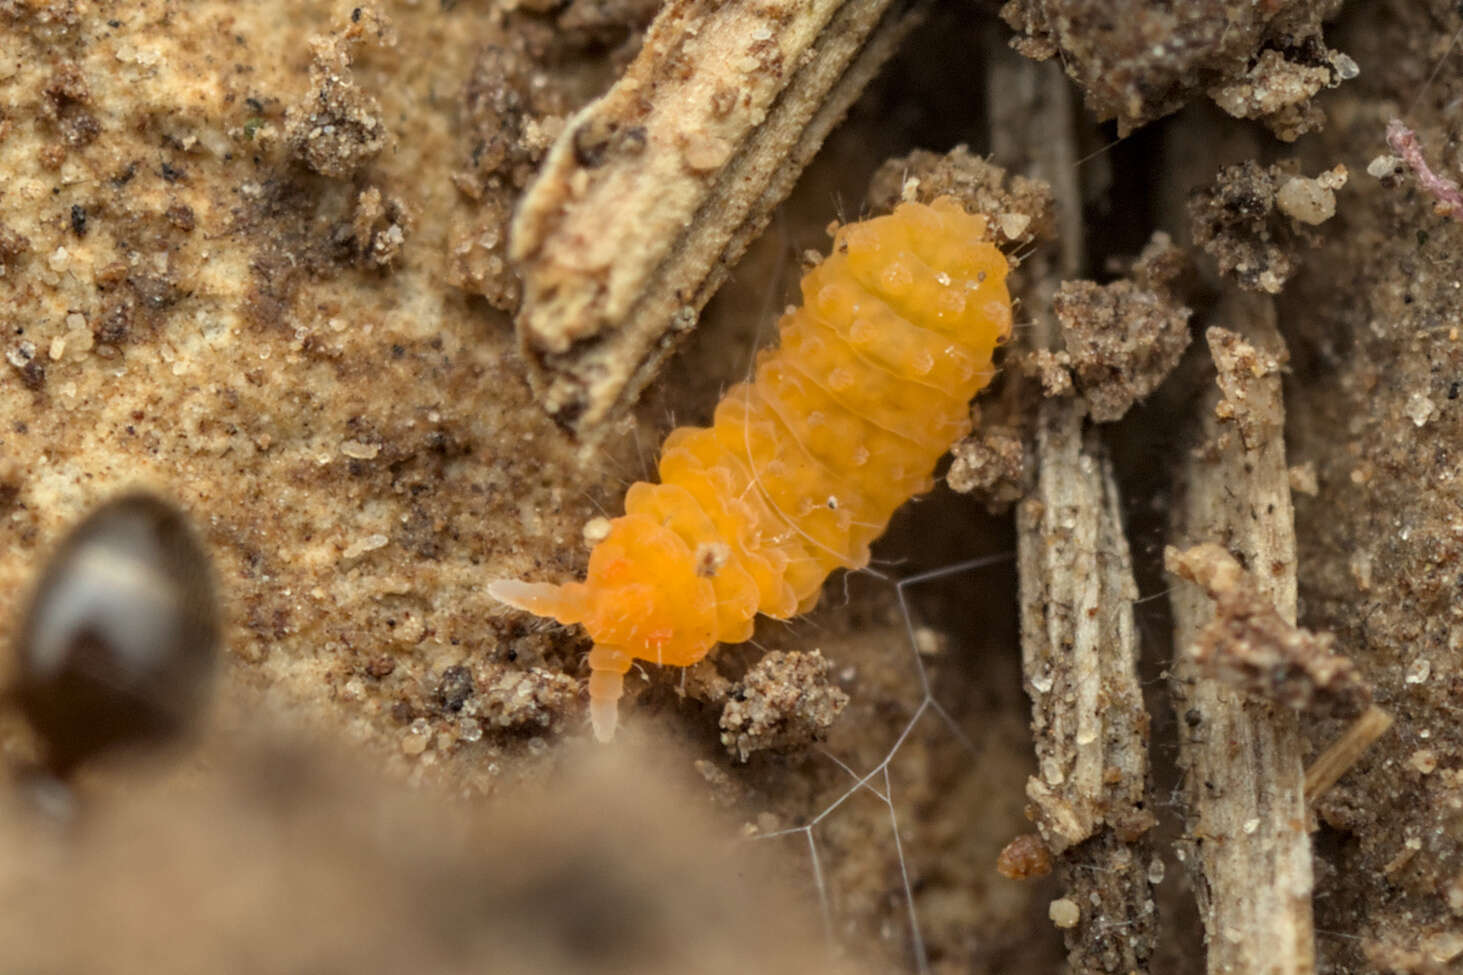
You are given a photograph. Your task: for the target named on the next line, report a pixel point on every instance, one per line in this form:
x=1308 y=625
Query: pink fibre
x=1404 y=142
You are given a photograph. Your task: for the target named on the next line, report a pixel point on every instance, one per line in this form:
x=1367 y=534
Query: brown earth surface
x=255 y=258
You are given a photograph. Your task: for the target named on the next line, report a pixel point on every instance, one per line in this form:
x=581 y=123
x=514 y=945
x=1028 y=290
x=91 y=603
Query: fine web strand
x=1432 y=75
x=878 y=781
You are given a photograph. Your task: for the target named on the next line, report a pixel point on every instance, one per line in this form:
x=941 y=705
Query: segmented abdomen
x=846 y=417
x=801 y=469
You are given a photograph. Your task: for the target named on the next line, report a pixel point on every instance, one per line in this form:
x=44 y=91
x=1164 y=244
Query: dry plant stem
x=1078 y=637
x=1031 y=133
x=653 y=191
x=1249 y=851
x=1080 y=653
x=1337 y=760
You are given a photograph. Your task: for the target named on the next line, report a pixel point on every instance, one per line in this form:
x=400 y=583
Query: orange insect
x=802 y=467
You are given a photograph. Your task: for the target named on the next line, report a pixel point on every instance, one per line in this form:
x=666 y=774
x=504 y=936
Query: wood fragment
x=1031 y=132
x=1080 y=653
x=1248 y=848
x=1079 y=644
x=1337 y=760
x=1249 y=646
x=654 y=190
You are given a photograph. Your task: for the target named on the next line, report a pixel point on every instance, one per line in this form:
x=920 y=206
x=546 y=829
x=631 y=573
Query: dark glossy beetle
x=119 y=640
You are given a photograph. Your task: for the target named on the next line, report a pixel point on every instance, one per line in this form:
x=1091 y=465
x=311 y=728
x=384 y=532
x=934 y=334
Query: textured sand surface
x=254 y=257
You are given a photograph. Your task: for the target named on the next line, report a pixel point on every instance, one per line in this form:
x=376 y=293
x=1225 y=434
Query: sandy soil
x=255 y=258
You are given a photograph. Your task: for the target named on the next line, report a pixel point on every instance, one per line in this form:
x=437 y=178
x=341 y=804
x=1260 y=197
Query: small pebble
x=415 y=741
x=1383 y=165
x=368 y=544
x=356 y=450
x=1420 y=409
x=1445 y=945
x=469 y=730
x=1064 y=913
x=1013 y=225
x=1306 y=200
x=596 y=530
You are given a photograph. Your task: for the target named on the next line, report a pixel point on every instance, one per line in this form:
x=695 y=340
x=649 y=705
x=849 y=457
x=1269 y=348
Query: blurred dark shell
x=120 y=638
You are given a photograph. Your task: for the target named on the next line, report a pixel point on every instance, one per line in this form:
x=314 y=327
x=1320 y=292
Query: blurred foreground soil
x=254 y=257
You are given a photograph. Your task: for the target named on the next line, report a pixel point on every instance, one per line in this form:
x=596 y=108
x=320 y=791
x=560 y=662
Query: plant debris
x=784 y=702
x=1249 y=645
